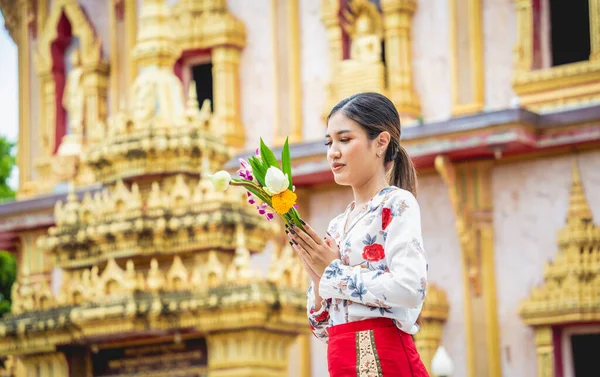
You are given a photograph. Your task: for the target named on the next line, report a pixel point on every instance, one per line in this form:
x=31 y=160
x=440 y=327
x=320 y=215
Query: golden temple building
x=131 y=264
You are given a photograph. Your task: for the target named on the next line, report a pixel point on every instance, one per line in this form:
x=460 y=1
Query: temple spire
x=579 y=209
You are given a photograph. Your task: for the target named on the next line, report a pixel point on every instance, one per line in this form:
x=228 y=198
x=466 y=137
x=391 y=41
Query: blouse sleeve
x=404 y=282
x=318 y=320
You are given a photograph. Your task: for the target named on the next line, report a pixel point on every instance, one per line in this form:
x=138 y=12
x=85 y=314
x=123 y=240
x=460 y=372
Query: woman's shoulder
x=394 y=195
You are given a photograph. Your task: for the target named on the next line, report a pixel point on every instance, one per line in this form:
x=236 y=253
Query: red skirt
x=372 y=348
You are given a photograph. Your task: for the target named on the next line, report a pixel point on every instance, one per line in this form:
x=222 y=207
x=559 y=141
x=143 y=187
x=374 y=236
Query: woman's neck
x=366 y=191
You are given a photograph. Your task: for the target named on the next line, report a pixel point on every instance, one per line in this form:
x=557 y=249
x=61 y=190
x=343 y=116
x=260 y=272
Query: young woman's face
x=351 y=155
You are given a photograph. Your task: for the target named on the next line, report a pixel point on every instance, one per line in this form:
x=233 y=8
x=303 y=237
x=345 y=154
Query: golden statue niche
x=364 y=71
x=368 y=29
x=73 y=101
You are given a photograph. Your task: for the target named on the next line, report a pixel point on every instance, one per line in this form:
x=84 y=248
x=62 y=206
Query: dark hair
x=375 y=113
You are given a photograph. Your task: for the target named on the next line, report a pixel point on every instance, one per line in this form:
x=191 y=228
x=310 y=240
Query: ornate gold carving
x=571 y=289
x=470 y=195
x=191 y=244
x=286 y=269
x=177 y=277
x=208 y=24
x=156 y=41
x=433 y=316
x=73 y=101
x=464 y=223
x=203 y=24
x=257 y=353
x=120 y=222
x=91 y=61
x=365 y=71
x=544 y=89
x=10 y=12
x=570 y=292
x=85 y=97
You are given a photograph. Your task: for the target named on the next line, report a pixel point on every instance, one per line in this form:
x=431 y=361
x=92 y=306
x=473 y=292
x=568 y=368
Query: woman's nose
x=334 y=153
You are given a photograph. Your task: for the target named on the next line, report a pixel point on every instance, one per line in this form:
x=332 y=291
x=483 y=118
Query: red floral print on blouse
x=386 y=218
x=373 y=252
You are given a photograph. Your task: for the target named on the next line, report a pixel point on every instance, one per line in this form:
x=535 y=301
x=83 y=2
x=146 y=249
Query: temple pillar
x=524 y=47
x=544 y=351
x=471 y=197
x=397 y=24
x=226 y=73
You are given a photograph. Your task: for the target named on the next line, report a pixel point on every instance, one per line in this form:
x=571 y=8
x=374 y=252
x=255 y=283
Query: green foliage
x=267 y=155
x=7 y=163
x=8 y=274
x=258 y=170
x=286 y=162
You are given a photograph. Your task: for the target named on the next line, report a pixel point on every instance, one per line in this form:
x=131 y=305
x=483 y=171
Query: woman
x=369 y=274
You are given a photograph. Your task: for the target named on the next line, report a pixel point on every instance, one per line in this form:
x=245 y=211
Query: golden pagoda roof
x=205 y=296
x=158 y=249
x=572 y=280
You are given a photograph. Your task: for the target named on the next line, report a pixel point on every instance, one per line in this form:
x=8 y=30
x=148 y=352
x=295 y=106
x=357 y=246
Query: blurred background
x=119 y=259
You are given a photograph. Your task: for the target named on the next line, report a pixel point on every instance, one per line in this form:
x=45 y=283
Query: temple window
x=563 y=30
x=557 y=56
x=580 y=347
x=198 y=67
x=202 y=74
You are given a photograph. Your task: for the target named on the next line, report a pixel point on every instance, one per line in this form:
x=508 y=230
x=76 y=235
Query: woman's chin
x=341 y=179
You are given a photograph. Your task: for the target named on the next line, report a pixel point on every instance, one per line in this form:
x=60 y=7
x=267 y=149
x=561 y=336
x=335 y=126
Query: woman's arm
x=404 y=282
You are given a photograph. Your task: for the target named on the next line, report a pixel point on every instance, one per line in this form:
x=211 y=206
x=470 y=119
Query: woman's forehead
x=339 y=123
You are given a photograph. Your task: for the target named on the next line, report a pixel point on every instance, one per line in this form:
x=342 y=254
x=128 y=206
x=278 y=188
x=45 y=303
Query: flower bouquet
x=266 y=181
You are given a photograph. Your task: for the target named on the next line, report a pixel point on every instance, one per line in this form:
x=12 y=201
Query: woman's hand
x=317 y=253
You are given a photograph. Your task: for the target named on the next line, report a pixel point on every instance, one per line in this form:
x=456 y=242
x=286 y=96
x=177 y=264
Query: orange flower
x=284 y=201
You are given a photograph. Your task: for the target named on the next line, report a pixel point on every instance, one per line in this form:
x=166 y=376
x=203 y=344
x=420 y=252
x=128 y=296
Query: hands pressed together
x=316 y=252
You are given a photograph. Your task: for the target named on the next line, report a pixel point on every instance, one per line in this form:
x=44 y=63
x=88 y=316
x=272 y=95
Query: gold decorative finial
x=155 y=42
x=579 y=209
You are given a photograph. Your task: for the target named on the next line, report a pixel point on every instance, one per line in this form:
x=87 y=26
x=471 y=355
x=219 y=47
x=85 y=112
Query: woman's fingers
x=302 y=237
x=311 y=232
x=301 y=251
x=332 y=244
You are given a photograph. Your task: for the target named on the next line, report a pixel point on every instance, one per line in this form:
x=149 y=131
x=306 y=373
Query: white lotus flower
x=276 y=181
x=220 y=180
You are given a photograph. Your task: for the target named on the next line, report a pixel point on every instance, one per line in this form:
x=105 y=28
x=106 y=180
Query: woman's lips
x=337 y=167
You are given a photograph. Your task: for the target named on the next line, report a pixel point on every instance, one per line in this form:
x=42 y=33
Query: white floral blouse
x=382 y=271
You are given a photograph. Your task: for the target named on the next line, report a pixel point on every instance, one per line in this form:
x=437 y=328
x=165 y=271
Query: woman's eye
x=328 y=143
x=344 y=140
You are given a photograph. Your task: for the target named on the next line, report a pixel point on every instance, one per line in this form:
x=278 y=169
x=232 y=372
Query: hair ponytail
x=403 y=174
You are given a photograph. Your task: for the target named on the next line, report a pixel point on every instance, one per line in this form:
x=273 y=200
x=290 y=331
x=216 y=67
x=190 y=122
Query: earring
x=378 y=154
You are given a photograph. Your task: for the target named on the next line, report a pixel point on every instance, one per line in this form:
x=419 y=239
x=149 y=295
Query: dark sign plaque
x=183 y=359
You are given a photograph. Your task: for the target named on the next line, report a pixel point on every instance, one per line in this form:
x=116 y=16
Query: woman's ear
x=383 y=139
